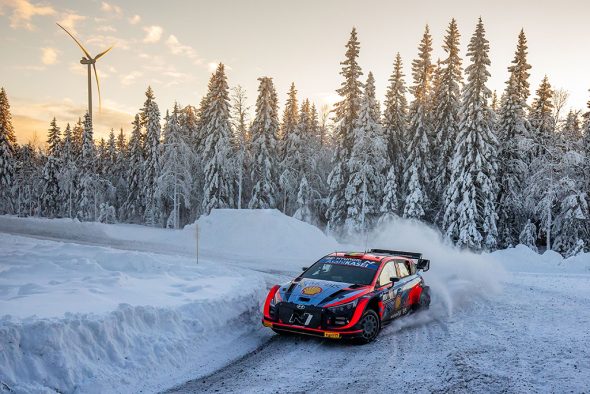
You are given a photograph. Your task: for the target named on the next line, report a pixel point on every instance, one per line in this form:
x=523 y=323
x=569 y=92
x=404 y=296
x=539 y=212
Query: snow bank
x=250 y=238
x=140 y=314
x=94 y=319
x=522 y=259
x=264 y=235
x=455 y=276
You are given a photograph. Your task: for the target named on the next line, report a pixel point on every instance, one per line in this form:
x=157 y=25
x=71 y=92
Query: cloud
x=23 y=12
x=111 y=8
x=48 y=56
x=69 y=21
x=179 y=49
x=31 y=119
x=135 y=19
x=102 y=42
x=131 y=78
x=106 y=29
x=153 y=34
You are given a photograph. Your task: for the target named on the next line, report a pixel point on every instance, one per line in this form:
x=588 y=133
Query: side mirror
x=394 y=279
x=304 y=268
x=423 y=264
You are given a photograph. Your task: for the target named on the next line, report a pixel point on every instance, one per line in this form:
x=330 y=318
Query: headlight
x=343 y=308
x=276 y=299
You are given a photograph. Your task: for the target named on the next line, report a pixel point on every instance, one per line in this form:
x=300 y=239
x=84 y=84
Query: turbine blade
x=98 y=88
x=77 y=42
x=103 y=53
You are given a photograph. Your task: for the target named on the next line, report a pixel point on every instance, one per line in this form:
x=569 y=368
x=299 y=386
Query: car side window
x=386 y=273
x=402 y=268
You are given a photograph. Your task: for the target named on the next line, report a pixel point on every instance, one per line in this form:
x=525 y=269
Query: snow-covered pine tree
x=528 y=235
x=264 y=130
x=150 y=115
x=290 y=114
x=305 y=196
x=541 y=117
x=133 y=206
x=364 y=191
x=6 y=119
x=314 y=127
x=289 y=151
x=77 y=133
x=88 y=148
x=50 y=196
x=417 y=173
x=25 y=174
x=345 y=114
x=87 y=204
x=572 y=131
x=447 y=104
x=176 y=179
x=54 y=140
x=68 y=175
x=395 y=122
x=110 y=155
x=512 y=132
x=470 y=214
x=219 y=176
x=7 y=155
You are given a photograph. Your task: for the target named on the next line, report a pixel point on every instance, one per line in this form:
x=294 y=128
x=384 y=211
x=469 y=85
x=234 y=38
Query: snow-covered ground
x=87 y=307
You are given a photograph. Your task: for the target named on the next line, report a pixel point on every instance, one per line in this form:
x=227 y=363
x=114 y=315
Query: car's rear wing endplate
x=421 y=264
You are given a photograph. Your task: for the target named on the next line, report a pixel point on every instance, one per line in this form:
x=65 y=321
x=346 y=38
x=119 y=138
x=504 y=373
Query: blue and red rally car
x=349 y=295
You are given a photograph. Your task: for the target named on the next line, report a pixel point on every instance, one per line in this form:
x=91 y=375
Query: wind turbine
x=89 y=61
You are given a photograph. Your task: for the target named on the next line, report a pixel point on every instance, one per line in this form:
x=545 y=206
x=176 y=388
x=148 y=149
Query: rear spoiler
x=421 y=264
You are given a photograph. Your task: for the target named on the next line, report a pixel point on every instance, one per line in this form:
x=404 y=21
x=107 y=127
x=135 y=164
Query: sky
x=175 y=45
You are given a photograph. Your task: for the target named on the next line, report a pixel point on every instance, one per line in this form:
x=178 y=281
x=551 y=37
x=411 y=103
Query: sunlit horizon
x=174 y=50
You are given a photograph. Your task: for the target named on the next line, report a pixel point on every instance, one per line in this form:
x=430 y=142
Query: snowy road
x=125 y=308
x=533 y=337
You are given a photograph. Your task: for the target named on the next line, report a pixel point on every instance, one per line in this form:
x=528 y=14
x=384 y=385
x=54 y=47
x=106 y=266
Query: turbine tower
x=90 y=62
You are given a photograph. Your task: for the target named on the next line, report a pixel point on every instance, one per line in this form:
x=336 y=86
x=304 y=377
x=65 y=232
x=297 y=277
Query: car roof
x=380 y=258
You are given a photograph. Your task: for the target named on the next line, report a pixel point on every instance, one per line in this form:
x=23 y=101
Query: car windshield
x=335 y=272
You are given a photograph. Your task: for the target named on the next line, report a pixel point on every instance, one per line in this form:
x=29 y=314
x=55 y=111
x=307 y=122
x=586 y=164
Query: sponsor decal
x=266 y=324
x=350 y=261
x=311 y=290
x=334 y=335
x=398 y=302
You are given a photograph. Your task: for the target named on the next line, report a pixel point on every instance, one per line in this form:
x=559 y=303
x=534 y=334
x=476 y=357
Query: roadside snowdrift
x=247 y=237
x=140 y=314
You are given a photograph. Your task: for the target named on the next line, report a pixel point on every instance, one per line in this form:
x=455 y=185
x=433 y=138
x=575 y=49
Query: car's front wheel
x=371 y=325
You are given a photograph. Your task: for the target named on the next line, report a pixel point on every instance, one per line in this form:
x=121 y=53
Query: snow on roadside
x=138 y=314
x=251 y=238
x=522 y=259
x=96 y=319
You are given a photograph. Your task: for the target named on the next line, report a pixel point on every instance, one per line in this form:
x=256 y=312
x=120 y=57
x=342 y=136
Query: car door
x=405 y=286
x=388 y=292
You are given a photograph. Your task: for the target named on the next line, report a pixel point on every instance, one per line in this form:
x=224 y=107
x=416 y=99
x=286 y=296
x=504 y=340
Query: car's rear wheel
x=371 y=325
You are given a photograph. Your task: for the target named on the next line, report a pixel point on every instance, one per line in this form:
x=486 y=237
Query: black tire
x=371 y=326
x=424 y=302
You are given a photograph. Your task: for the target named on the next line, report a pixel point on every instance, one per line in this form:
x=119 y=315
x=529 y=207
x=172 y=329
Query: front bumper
x=316 y=332
x=312 y=320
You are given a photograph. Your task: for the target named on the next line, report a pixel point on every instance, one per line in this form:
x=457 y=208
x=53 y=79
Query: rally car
x=349 y=295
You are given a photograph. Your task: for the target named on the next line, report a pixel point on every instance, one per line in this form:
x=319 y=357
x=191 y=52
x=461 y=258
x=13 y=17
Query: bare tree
x=324 y=123
x=240 y=119
x=560 y=97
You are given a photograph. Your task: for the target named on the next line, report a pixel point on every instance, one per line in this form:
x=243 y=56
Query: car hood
x=319 y=292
